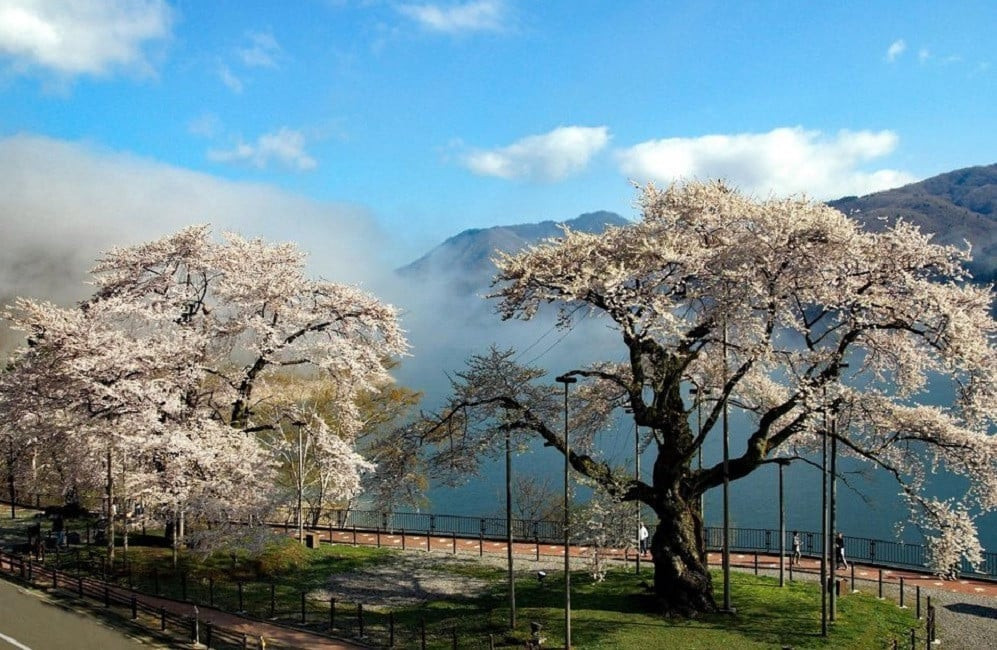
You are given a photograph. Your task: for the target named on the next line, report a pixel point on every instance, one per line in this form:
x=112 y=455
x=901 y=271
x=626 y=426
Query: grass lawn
x=611 y=614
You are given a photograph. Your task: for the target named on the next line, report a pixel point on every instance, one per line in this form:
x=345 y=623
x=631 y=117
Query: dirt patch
x=406 y=580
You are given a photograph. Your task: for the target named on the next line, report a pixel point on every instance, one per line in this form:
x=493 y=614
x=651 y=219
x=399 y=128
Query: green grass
x=612 y=615
x=608 y=615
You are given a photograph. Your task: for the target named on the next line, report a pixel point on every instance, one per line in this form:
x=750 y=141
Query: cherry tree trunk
x=682 y=583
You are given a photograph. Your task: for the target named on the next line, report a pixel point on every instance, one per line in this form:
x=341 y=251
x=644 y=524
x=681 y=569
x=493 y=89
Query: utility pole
x=508 y=530
x=566 y=380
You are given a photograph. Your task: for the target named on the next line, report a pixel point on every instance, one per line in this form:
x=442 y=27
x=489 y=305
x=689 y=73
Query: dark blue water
x=869 y=504
x=868 y=501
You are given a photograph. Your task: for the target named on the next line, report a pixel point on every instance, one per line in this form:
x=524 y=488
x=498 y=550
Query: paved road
x=28 y=621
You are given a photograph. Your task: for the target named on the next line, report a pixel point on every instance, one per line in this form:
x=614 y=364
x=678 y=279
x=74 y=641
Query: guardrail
x=874 y=552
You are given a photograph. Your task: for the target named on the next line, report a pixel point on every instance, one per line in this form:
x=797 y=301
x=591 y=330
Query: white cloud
x=206 y=125
x=63 y=202
x=81 y=37
x=229 y=79
x=262 y=51
x=477 y=16
x=548 y=157
x=285 y=146
x=781 y=162
x=923 y=55
x=896 y=48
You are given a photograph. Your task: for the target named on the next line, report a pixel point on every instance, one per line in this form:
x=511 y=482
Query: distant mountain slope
x=957 y=206
x=464 y=260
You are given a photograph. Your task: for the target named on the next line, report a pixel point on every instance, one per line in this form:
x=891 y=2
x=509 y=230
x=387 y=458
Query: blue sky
x=400 y=123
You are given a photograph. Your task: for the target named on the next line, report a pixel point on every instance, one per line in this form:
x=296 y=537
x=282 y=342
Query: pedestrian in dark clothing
x=839 y=551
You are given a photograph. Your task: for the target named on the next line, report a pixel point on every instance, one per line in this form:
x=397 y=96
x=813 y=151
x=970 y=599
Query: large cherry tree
x=166 y=365
x=784 y=309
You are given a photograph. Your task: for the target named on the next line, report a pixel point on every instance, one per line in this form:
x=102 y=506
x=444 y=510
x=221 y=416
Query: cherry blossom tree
x=170 y=357
x=784 y=309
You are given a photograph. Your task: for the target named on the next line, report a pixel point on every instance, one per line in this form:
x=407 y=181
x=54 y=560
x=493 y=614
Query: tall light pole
x=566 y=380
x=508 y=530
x=726 y=465
x=782 y=523
x=832 y=594
x=699 y=433
x=301 y=485
x=823 y=529
x=636 y=479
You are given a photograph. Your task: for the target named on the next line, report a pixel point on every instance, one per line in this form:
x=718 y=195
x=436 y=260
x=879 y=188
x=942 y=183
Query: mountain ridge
x=956 y=206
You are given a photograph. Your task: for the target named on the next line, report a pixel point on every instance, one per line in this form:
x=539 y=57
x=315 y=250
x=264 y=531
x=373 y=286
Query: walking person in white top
x=642 y=536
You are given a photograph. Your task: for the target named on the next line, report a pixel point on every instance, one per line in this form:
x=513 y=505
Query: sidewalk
x=865 y=573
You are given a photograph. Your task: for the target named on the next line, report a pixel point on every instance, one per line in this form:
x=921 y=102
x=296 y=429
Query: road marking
x=14 y=642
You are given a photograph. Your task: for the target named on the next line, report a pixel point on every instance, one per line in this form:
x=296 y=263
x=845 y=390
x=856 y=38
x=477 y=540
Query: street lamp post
x=566 y=380
x=301 y=485
x=508 y=530
x=782 y=523
x=726 y=466
x=637 y=479
x=832 y=523
x=698 y=398
x=823 y=530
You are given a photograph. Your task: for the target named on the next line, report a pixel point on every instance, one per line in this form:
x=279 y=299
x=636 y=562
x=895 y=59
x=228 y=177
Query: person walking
x=797 y=551
x=642 y=536
x=839 y=551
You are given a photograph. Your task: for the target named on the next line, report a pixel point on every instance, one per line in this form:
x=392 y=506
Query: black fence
x=82 y=572
x=74 y=584
x=874 y=552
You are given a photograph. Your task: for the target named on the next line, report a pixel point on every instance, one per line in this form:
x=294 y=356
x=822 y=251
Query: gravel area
x=965 y=621
x=419 y=577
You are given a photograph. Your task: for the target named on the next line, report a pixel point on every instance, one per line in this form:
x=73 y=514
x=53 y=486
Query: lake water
x=868 y=506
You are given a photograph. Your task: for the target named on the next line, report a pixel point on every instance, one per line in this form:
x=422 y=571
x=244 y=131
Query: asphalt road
x=28 y=621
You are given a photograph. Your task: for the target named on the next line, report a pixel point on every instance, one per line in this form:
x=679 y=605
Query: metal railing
x=875 y=552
